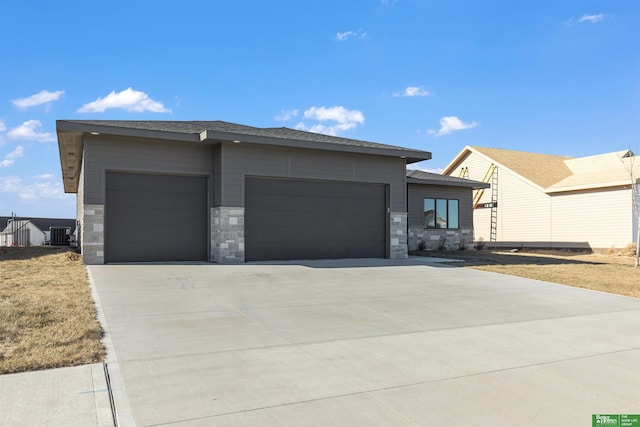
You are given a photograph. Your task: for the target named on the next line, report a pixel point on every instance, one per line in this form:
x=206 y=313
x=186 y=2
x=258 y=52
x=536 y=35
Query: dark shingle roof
x=3 y=222
x=422 y=177
x=71 y=134
x=197 y=127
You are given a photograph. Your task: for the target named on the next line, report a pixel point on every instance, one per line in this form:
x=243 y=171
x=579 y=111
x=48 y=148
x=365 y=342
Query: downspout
x=550 y=220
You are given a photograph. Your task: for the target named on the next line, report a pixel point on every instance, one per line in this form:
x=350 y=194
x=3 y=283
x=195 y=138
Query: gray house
x=228 y=193
x=440 y=211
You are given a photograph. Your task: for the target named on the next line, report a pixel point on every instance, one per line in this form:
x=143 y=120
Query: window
x=441 y=213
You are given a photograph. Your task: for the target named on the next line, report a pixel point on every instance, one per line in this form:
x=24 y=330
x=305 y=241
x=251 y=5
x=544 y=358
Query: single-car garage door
x=155 y=218
x=299 y=219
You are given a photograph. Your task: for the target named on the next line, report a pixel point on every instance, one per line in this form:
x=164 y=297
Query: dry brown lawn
x=47 y=314
x=603 y=272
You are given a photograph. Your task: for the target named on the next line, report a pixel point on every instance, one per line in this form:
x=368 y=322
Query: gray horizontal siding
x=242 y=160
x=217 y=175
x=417 y=192
x=124 y=155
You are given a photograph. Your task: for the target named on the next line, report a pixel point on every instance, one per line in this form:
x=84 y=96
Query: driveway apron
x=362 y=343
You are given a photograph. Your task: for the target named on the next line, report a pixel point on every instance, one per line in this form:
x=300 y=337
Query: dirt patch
x=603 y=272
x=47 y=314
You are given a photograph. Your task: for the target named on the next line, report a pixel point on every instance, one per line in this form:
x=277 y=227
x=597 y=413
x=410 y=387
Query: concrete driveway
x=362 y=343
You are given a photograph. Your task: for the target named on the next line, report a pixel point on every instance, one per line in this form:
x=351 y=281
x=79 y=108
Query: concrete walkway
x=363 y=342
x=56 y=397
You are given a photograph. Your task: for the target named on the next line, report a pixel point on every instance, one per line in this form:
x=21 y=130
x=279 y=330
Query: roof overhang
x=71 y=142
x=469 y=184
x=594 y=186
x=71 y=137
x=411 y=156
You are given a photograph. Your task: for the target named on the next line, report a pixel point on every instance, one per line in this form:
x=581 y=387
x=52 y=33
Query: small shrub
x=441 y=243
x=421 y=245
x=480 y=244
x=629 y=250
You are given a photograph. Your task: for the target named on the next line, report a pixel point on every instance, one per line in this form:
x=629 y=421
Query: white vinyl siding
x=482 y=224
x=524 y=212
x=602 y=218
x=523 y=209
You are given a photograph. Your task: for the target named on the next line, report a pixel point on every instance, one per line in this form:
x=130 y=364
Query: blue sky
x=557 y=77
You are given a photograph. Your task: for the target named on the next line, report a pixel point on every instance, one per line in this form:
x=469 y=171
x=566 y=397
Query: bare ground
x=47 y=314
x=603 y=272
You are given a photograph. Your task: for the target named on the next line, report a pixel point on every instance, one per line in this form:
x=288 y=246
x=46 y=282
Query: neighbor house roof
x=43 y=224
x=3 y=221
x=430 y=178
x=616 y=169
x=557 y=173
x=16 y=225
x=71 y=134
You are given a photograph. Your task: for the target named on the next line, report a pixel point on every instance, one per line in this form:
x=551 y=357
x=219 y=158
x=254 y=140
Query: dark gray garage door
x=155 y=218
x=299 y=219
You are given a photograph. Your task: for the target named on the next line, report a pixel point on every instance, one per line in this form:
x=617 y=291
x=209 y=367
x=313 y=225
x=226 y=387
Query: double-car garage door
x=154 y=218
x=300 y=219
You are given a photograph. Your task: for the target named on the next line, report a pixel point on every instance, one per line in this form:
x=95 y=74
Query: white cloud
x=286 y=115
x=410 y=91
x=129 y=99
x=337 y=113
x=344 y=120
x=586 y=18
x=43 y=189
x=450 y=124
x=10 y=158
x=389 y=2
x=2 y=126
x=30 y=130
x=592 y=18
x=358 y=34
x=43 y=97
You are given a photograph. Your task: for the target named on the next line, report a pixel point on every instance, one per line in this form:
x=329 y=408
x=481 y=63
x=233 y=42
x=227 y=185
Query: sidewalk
x=75 y=396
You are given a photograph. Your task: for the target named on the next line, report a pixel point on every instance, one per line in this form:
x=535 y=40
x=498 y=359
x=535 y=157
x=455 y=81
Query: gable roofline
x=519 y=155
x=456 y=160
x=42 y=224
x=555 y=174
x=71 y=135
x=19 y=224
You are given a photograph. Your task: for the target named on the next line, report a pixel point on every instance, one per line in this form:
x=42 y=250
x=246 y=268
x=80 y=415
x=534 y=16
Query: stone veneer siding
x=434 y=238
x=227 y=235
x=398 y=235
x=92 y=229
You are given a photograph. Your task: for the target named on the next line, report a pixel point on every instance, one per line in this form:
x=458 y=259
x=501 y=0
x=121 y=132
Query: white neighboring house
x=32 y=231
x=541 y=200
x=22 y=233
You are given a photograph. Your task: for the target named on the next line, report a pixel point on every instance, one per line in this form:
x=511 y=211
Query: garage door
x=155 y=218
x=299 y=219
